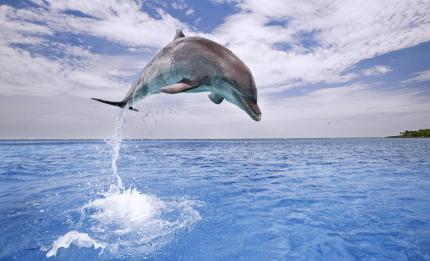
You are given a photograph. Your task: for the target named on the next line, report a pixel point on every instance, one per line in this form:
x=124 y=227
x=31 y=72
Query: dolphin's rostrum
x=196 y=64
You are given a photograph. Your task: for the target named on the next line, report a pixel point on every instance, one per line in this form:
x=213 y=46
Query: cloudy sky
x=323 y=68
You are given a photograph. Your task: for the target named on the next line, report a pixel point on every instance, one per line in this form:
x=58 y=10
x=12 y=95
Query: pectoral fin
x=215 y=98
x=182 y=86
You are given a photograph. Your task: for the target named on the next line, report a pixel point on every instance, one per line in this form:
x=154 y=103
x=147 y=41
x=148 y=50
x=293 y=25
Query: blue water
x=294 y=199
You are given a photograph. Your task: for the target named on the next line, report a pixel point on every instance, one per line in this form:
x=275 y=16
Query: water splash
x=125 y=222
x=128 y=224
x=132 y=224
x=117 y=184
x=76 y=238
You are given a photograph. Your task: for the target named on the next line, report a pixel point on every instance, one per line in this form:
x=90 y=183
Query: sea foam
x=76 y=238
x=129 y=223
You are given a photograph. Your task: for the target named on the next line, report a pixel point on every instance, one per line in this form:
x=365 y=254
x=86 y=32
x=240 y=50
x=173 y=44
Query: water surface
x=294 y=199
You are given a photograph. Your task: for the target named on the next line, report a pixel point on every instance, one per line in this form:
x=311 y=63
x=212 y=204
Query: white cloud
x=419 y=77
x=179 y=5
x=343 y=32
x=72 y=71
x=122 y=22
x=19 y=31
x=376 y=70
x=78 y=73
x=354 y=100
x=189 y=12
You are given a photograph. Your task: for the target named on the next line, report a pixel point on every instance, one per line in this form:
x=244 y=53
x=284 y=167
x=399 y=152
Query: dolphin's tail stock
x=120 y=104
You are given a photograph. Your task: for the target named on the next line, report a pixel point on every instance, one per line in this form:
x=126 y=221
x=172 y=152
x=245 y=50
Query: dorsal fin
x=178 y=34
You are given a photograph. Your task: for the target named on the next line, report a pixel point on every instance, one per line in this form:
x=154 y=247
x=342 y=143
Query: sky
x=338 y=68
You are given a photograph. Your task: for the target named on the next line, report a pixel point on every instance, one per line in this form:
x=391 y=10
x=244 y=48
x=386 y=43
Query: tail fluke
x=120 y=104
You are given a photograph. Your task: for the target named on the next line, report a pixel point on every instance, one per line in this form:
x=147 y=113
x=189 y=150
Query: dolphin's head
x=227 y=75
x=247 y=102
x=243 y=92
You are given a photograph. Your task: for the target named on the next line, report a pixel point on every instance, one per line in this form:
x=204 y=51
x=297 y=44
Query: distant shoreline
x=422 y=133
x=403 y=137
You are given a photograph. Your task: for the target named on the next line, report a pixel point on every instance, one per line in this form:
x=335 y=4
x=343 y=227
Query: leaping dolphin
x=196 y=64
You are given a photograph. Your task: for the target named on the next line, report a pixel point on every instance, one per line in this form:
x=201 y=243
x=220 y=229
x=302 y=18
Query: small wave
x=129 y=223
x=76 y=238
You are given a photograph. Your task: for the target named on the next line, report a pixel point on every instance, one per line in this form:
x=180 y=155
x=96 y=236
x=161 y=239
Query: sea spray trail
x=124 y=222
x=116 y=147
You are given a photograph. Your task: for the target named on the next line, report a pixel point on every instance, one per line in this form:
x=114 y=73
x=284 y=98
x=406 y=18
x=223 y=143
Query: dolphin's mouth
x=257 y=117
x=251 y=108
x=255 y=113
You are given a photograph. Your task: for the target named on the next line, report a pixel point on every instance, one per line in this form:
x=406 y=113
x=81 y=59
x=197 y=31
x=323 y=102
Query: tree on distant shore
x=416 y=134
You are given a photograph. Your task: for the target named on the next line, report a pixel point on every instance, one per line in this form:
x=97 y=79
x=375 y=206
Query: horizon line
x=149 y=139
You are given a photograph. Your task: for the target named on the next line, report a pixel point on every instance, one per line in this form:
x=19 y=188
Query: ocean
x=280 y=199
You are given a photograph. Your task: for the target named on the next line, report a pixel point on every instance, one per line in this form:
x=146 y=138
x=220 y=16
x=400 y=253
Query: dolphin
x=195 y=64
